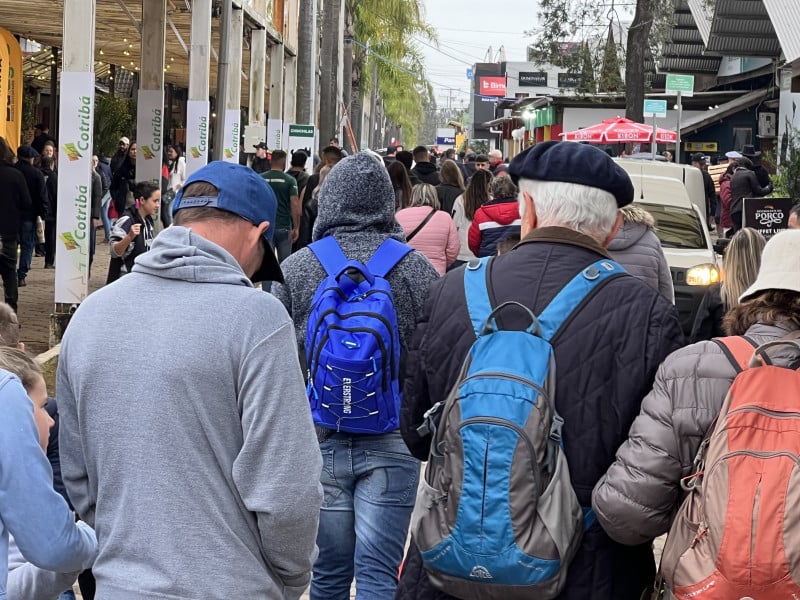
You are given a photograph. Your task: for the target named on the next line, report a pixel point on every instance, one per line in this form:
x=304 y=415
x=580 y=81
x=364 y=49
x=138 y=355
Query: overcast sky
x=466 y=29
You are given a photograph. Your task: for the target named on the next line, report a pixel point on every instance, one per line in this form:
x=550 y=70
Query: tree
x=564 y=23
x=113 y=118
x=329 y=67
x=306 y=61
x=610 y=78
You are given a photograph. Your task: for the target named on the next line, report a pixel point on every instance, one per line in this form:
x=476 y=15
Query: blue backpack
x=496 y=516
x=352 y=342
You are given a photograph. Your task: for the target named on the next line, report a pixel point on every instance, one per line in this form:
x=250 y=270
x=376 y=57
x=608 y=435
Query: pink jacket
x=438 y=240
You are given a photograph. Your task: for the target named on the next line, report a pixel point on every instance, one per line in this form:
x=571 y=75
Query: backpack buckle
x=429 y=419
x=555 y=428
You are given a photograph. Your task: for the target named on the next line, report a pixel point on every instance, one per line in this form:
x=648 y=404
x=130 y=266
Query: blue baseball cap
x=243 y=192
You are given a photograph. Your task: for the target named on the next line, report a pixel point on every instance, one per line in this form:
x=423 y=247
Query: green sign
x=655 y=108
x=301 y=131
x=680 y=83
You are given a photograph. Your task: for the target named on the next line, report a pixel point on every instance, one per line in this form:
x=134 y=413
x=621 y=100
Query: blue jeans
x=68 y=595
x=104 y=215
x=283 y=243
x=370 y=484
x=27 y=240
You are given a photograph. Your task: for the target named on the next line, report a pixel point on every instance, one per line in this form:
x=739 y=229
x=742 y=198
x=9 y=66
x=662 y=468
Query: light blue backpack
x=497 y=517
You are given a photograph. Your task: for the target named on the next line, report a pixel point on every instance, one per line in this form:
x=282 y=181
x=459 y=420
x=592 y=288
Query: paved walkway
x=36 y=300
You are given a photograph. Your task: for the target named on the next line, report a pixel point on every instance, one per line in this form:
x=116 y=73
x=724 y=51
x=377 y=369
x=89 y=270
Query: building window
x=742 y=136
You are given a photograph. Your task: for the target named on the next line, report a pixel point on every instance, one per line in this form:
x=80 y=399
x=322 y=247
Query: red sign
x=493 y=86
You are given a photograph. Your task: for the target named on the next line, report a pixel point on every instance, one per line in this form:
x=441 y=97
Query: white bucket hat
x=780 y=265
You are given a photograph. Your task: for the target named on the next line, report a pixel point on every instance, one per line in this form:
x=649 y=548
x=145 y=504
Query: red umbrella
x=619 y=131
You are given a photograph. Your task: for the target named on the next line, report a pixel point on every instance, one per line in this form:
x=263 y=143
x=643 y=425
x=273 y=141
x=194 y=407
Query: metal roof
x=118 y=39
x=702 y=16
x=686 y=50
x=785 y=17
x=725 y=110
x=742 y=28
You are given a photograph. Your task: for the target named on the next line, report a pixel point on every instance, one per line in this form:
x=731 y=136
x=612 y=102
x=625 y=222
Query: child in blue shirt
x=43 y=527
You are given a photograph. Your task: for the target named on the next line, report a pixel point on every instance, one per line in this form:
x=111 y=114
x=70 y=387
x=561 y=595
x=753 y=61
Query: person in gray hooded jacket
x=194 y=455
x=636 y=499
x=370 y=481
x=637 y=248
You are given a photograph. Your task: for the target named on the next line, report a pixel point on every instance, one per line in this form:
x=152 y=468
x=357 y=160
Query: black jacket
x=260 y=165
x=37 y=190
x=744 y=184
x=51 y=184
x=447 y=196
x=117 y=160
x=607 y=355
x=426 y=173
x=15 y=200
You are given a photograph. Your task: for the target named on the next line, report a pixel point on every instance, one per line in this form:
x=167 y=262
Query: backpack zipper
x=361 y=330
x=753 y=522
x=521 y=433
x=381 y=318
x=517 y=378
x=777 y=414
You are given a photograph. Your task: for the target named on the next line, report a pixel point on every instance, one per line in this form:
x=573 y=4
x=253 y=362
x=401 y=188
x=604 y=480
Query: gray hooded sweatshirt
x=186 y=438
x=637 y=248
x=356 y=207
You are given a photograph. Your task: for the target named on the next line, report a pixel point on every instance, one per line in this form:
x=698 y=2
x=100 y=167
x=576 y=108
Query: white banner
x=149 y=133
x=196 y=135
x=232 y=127
x=275 y=134
x=76 y=118
x=302 y=137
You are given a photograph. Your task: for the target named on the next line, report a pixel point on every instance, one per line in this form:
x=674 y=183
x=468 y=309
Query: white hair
x=587 y=210
x=496 y=153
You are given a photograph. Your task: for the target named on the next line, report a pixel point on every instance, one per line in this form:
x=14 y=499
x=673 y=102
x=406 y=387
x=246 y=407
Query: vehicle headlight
x=702 y=275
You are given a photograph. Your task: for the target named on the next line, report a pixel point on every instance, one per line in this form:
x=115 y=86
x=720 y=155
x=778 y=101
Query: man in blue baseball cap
x=614 y=331
x=200 y=430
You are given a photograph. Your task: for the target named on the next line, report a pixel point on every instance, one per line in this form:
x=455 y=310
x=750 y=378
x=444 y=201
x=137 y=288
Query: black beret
x=573 y=163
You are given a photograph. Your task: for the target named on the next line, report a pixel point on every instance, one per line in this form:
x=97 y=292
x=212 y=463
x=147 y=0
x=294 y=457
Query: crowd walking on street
x=425 y=377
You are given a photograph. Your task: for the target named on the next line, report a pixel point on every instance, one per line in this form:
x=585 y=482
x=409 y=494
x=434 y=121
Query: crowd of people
x=248 y=444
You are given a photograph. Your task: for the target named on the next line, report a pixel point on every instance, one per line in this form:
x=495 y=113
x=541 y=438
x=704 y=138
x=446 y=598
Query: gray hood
x=357 y=197
x=178 y=253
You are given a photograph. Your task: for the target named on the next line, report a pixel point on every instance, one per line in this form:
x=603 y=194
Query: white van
x=681 y=227
x=691 y=177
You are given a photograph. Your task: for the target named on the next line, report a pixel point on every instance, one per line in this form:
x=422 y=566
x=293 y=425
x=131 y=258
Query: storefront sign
x=301 y=137
x=767 y=215
x=149 y=133
x=529 y=79
x=567 y=80
x=493 y=86
x=230 y=152
x=197 y=135
x=76 y=118
x=13 y=111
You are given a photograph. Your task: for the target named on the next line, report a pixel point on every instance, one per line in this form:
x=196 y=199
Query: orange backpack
x=737 y=533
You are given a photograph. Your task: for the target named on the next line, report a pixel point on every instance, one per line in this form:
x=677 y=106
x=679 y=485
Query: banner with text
x=275 y=134
x=230 y=153
x=76 y=117
x=196 y=135
x=301 y=137
x=149 y=133
x=767 y=215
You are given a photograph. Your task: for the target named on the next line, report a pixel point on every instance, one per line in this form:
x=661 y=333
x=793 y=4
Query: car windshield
x=677 y=227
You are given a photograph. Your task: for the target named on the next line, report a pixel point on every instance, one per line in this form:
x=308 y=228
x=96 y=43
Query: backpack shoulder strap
x=388 y=254
x=476 y=291
x=329 y=254
x=738 y=349
x=574 y=293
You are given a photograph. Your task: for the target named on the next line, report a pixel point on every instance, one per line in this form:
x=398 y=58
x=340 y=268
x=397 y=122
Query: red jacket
x=492 y=222
x=725 y=197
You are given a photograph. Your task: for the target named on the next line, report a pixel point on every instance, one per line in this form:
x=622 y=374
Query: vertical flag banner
x=13 y=113
x=149 y=134
x=76 y=117
x=197 y=139
x=275 y=134
x=230 y=153
x=5 y=65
